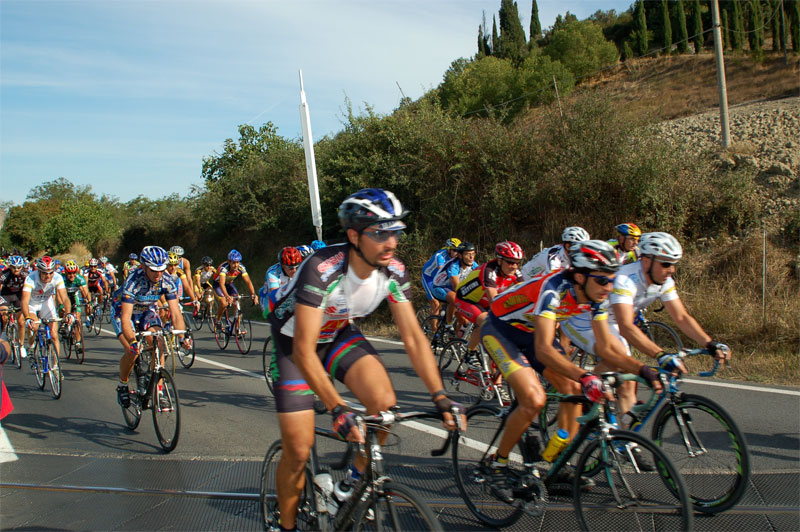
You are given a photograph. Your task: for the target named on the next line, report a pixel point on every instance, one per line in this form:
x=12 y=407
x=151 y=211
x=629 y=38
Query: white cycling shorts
x=44 y=309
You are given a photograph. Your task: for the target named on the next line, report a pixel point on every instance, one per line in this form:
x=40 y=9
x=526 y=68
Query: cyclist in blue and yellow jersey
x=185 y=265
x=316 y=339
x=432 y=267
x=520 y=335
x=204 y=276
x=555 y=257
x=131 y=264
x=453 y=272
x=226 y=274
x=278 y=275
x=139 y=296
x=627 y=243
x=78 y=294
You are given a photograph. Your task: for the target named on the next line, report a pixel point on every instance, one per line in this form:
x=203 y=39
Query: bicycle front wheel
x=54 y=372
x=133 y=414
x=268 y=495
x=244 y=335
x=196 y=319
x=208 y=316
x=485 y=425
x=13 y=339
x=97 y=322
x=395 y=507
x=625 y=497
x=266 y=362
x=221 y=332
x=166 y=410
x=453 y=353
x=38 y=362
x=186 y=356
x=708 y=449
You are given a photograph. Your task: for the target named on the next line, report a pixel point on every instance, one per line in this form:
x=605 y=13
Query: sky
x=129 y=96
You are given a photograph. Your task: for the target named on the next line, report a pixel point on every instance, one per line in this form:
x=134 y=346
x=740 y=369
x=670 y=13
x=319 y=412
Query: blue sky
x=129 y=96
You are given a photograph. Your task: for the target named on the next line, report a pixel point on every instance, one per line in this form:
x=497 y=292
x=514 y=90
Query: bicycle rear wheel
x=208 y=316
x=481 y=440
x=195 y=318
x=97 y=322
x=185 y=356
x=166 y=410
x=713 y=458
x=453 y=353
x=54 y=371
x=221 y=332
x=625 y=497
x=395 y=507
x=664 y=336
x=244 y=335
x=37 y=362
x=133 y=414
x=268 y=498
x=266 y=362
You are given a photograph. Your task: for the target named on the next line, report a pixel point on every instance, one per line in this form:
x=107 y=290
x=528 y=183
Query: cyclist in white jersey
x=553 y=258
x=37 y=298
x=637 y=285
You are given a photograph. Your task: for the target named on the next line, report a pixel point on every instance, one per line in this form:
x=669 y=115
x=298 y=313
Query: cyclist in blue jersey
x=138 y=297
x=432 y=267
x=278 y=275
x=453 y=272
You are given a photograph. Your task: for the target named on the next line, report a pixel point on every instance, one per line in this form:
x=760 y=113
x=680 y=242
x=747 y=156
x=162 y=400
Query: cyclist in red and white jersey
x=95 y=278
x=38 y=298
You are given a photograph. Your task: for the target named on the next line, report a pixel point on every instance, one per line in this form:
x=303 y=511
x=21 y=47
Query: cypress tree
x=697 y=30
x=782 y=17
x=536 y=26
x=756 y=22
x=775 y=26
x=794 y=23
x=726 y=34
x=640 y=44
x=512 y=36
x=683 y=35
x=481 y=49
x=738 y=26
x=667 y=25
x=495 y=38
x=627 y=52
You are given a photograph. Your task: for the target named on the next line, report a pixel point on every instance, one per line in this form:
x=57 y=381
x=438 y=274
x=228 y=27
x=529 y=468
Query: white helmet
x=660 y=245
x=574 y=234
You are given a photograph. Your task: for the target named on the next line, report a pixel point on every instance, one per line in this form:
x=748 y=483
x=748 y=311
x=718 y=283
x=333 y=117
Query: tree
x=484 y=45
x=775 y=26
x=536 y=26
x=683 y=34
x=481 y=44
x=737 y=34
x=794 y=21
x=627 y=51
x=726 y=34
x=581 y=47
x=495 y=37
x=512 y=36
x=697 y=29
x=640 y=38
x=666 y=27
x=756 y=23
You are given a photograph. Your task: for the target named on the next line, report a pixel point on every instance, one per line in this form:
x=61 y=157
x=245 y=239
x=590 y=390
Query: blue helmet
x=234 y=256
x=370 y=206
x=133 y=256
x=317 y=244
x=15 y=261
x=304 y=250
x=154 y=257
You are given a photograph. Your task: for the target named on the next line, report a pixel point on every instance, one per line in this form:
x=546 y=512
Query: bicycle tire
x=268 y=499
x=244 y=335
x=37 y=365
x=483 y=421
x=664 y=336
x=395 y=507
x=13 y=340
x=266 y=362
x=718 y=478
x=196 y=319
x=66 y=352
x=133 y=413
x=185 y=356
x=208 y=317
x=54 y=372
x=97 y=322
x=658 y=500
x=221 y=332
x=454 y=351
x=107 y=311
x=166 y=418
x=80 y=357
x=429 y=325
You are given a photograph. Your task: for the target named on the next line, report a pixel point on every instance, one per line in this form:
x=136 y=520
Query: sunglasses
x=666 y=264
x=512 y=262
x=602 y=280
x=382 y=235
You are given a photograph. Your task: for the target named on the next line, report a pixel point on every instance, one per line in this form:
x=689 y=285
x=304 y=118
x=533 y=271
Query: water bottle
x=325 y=502
x=557 y=444
x=342 y=491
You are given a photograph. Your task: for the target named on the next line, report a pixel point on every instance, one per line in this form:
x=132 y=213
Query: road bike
x=175 y=347
x=154 y=388
x=94 y=316
x=12 y=336
x=624 y=496
x=267 y=356
x=67 y=333
x=376 y=502
x=438 y=331
x=475 y=383
x=237 y=327
x=207 y=310
x=44 y=358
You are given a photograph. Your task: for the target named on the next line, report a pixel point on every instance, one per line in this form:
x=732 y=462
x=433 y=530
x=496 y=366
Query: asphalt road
x=80 y=451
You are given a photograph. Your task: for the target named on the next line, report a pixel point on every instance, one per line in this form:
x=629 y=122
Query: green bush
x=581 y=47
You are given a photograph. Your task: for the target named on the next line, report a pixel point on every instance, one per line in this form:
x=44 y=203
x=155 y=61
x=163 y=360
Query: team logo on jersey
x=514 y=300
x=331 y=265
x=396 y=267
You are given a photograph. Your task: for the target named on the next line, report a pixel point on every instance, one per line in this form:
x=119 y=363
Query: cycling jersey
x=488 y=275
x=625 y=257
x=275 y=278
x=206 y=277
x=41 y=292
x=434 y=264
x=93 y=277
x=176 y=278
x=142 y=294
x=74 y=290
x=325 y=282
x=552 y=297
x=452 y=267
x=630 y=288
x=546 y=261
x=12 y=284
x=230 y=274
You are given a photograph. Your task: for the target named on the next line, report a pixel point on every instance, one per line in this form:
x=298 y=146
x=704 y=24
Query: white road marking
x=7 y=453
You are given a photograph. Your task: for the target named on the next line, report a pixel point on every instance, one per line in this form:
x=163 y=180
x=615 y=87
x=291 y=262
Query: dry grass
x=77 y=252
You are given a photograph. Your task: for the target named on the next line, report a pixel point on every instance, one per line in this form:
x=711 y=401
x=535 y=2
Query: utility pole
x=723 y=90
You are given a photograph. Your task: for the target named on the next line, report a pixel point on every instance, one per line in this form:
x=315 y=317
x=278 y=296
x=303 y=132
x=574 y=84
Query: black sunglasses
x=666 y=264
x=382 y=235
x=602 y=280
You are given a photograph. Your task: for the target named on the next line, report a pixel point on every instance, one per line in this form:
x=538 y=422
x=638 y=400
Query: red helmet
x=291 y=256
x=508 y=250
x=45 y=264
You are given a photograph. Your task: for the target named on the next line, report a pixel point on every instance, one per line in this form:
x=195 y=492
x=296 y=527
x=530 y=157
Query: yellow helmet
x=452 y=243
x=173 y=259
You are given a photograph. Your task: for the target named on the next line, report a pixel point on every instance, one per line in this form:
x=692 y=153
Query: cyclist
x=317 y=244
x=432 y=267
x=184 y=264
x=140 y=293
x=223 y=282
x=75 y=285
x=316 y=340
x=204 y=275
x=131 y=264
x=520 y=335
x=96 y=280
x=305 y=251
x=475 y=293
x=278 y=275
x=38 y=299
x=638 y=285
x=180 y=279
x=453 y=272
x=556 y=257
x=627 y=243
x=11 y=282
x=109 y=271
